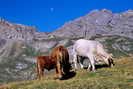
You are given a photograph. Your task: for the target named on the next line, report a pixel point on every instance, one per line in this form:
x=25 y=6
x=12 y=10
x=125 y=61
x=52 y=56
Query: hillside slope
x=118 y=77
x=20 y=44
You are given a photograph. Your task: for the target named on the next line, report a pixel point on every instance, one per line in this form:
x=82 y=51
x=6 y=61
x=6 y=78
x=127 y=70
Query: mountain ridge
x=20 y=44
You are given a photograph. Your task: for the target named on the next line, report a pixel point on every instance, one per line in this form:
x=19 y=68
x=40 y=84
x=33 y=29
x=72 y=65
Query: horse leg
x=56 y=71
x=92 y=61
x=89 y=65
x=59 y=70
x=38 y=74
x=42 y=73
x=81 y=65
x=75 y=61
x=39 y=71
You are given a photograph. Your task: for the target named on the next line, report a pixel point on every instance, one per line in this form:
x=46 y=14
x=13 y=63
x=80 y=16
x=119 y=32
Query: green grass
x=118 y=77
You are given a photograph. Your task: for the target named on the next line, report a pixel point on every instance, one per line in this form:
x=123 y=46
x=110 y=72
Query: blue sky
x=48 y=15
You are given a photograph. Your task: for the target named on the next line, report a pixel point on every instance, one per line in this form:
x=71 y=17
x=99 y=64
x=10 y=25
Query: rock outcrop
x=98 y=22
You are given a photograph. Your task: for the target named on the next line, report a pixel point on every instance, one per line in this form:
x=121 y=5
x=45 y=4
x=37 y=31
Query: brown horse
x=44 y=62
x=59 y=60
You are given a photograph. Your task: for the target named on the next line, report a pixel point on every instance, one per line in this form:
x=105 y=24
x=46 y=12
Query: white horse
x=93 y=50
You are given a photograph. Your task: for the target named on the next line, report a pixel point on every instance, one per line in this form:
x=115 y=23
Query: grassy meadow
x=118 y=77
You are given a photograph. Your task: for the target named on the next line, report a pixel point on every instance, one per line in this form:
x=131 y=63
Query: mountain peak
x=98 y=22
x=11 y=30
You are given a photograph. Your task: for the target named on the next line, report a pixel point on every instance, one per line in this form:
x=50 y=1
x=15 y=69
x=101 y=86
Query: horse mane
x=58 y=53
x=61 y=54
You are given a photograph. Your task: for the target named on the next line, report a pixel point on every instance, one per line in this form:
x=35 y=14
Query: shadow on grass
x=68 y=75
x=101 y=66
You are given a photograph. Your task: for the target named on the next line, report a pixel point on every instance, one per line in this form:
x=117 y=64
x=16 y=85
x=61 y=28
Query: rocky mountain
x=20 y=44
x=10 y=30
x=99 y=22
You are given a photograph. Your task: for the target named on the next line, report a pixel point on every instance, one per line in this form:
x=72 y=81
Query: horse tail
x=64 y=56
x=66 y=63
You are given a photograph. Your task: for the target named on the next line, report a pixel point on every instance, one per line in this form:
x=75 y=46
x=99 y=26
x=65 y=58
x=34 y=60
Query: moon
x=51 y=9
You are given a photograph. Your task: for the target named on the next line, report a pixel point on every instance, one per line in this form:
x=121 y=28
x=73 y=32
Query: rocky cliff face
x=11 y=31
x=99 y=22
x=19 y=44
